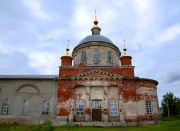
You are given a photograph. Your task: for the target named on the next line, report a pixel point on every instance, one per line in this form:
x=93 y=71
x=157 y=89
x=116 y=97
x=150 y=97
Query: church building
x=96 y=85
x=101 y=86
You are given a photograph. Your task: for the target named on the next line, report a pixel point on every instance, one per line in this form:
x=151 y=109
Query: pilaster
x=105 y=104
x=87 y=108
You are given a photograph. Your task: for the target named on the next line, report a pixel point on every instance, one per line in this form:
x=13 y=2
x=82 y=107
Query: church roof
x=28 y=76
x=95 y=38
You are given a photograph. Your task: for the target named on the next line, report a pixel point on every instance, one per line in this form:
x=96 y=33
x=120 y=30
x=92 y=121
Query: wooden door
x=96 y=111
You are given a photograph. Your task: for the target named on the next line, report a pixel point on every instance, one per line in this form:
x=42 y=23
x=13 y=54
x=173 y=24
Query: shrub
x=47 y=126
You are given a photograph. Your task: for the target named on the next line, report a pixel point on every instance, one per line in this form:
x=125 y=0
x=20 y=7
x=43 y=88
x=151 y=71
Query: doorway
x=96 y=110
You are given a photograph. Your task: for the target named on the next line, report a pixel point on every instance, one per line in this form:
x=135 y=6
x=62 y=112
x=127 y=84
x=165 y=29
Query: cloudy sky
x=34 y=35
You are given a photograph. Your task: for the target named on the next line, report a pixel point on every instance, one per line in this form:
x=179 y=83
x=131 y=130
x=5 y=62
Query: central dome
x=96 y=50
x=95 y=38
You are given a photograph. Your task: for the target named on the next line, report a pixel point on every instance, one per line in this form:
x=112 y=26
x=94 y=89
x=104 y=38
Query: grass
x=172 y=124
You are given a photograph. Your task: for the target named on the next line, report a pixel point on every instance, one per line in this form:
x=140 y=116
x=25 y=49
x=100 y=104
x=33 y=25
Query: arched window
x=117 y=60
x=83 y=56
x=75 y=62
x=5 y=107
x=45 y=110
x=25 y=107
x=109 y=57
x=96 y=55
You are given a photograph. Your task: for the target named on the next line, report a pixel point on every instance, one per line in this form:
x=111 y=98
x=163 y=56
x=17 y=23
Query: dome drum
x=96 y=54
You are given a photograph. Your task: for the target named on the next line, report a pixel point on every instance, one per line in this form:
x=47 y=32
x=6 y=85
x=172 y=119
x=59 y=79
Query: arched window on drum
x=96 y=55
x=109 y=57
x=83 y=57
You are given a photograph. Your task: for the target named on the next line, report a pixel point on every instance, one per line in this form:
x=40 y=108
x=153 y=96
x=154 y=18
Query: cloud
x=34 y=34
x=37 y=10
x=44 y=62
x=173 y=77
x=51 y=35
x=168 y=33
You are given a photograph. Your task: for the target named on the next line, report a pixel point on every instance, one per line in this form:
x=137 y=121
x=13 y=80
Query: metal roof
x=95 y=38
x=28 y=76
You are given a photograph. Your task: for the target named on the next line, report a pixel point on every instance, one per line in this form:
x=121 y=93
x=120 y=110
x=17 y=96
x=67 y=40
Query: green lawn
x=165 y=125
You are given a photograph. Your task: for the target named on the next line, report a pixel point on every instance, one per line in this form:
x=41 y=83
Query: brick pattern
x=126 y=60
x=66 y=61
x=131 y=89
x=66 y=72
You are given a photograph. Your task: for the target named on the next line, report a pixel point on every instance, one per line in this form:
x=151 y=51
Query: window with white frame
x=148 y=108
x=80 y=107
x=25 y=109
x=5 y=107
x=96 y=104
x=45 y=110
x=113 y=106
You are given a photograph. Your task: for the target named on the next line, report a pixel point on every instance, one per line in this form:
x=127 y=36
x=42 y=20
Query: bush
x=47 y=126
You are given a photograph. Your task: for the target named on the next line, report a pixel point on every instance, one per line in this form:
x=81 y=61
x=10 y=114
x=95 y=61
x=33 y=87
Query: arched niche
x=28 y=88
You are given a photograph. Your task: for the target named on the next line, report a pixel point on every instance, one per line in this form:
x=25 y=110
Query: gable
x=96 y=74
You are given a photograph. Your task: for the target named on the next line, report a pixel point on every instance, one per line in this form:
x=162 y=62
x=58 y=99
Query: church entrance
x=96 y=110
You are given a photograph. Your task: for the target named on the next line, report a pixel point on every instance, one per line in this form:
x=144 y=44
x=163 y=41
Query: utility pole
x=168 y=108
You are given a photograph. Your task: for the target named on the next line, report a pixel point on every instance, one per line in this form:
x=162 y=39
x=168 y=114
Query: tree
x=178 y=106
x=170 y=104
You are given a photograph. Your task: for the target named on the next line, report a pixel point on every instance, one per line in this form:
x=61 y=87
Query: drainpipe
x=53 y=107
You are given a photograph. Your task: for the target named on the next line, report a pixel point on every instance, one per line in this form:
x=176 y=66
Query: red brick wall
x=66 y=61
x=65 y=91
x=65 y=94
x=129 y=90
x=73 y=71
x=126 y=60
x=148 y=84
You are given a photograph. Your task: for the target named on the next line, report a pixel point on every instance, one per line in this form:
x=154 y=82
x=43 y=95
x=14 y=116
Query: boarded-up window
x=5 y=107
x=25 y=109
x=45 y=110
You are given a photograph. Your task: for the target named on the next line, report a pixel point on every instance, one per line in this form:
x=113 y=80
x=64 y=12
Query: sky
x=34 y=35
